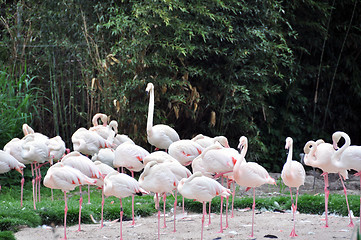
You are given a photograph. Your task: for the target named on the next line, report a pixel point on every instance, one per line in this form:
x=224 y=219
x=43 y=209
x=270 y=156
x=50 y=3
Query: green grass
x=13 y=216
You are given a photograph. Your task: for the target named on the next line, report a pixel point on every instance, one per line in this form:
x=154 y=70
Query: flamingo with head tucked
x=293 y=175
x=319 y=154
x=160 y=135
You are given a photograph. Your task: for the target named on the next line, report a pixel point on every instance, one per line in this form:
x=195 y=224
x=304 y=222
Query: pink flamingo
x=121 y=185
x=105 y=170
x=159 y=179
x=250 y=175
x=319 y=154
x=206 y=141
x=84 y=165
x=66 y=178
x=8 y=162
x=130 y=156
x=293 y=175
x=202 y=189
x=105 y=155
x=347 y=157
x=185 y=151
x=160 y=136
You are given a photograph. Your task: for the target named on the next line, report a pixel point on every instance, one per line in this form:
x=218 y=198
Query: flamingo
x=105 y=155
x=159 y=179
x=121 y=185
x=105 y=170
x=66 y=178
x=250 y=174
x=84 y=165
x=160 y=136
x=319 y=154
x=89 y=142
x=130 y=156
x=159 y=157
x=120 y=139
x=185 y=151
x=8 y=162
x=35 y=151
x=293 y=175
x=347 y=157
x=14 y=148
x=220 y=160
x=202 y=189
x=206 y=141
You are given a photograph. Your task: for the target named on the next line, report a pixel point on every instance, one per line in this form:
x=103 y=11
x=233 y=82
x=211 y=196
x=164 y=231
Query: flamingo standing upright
x=89 y=142
x=347 y=157
x=319 y=154
x=84 y=165
x=121 y=185
x=66 y=178
x=159 y=179
x=293 y=175
x=130 y=156
x=160 y=135
x=202 y=189
x=250 y=175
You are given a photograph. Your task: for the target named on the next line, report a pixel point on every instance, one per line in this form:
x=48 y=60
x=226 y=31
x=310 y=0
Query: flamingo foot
x=293 y=233
x=351 y=225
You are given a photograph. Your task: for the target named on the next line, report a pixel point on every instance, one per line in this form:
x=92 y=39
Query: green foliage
x=17 y=97
x=7 y=235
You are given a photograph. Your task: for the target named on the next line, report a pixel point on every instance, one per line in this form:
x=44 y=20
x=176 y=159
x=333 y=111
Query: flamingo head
x=289 y=142
x=150 y=87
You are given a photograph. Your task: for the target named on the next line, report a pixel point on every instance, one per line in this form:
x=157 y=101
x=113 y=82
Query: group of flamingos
x=99 y=150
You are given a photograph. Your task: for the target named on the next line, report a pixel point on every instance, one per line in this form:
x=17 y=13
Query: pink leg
x=33 y=181
x=164 y=199
x=102 y=219
x=221 y=231
x=80 y=203
x=22 y=189
x=65 y=213
x=209 y=212
x=294 y=209
x=204 y=212
x=227 y=212
x=327 y=193
x=133 y=222
x=183 y=205
x=348 y=207
x=359 y=175
x=158 y=215
x=36 y=183
x=233 y=195
x=39 y=180
x=253 y=207
x=175 y=209
x=121 y=219
x=88 y=194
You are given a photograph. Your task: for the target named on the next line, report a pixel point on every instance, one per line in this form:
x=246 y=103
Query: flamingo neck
x=150 y=111
x=244 y=150
x=310 y=158
x=290 y=153
x=336 y=156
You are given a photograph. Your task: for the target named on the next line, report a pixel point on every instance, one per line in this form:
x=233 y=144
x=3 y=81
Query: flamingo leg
x=36 y=183
x=348 y=207
x=175 y=209
x=227 y=212
x=22 y=188
x=294 y=209
x=133 y=222
x=65 y=213
x=327 y=193
x=80 y=203
x=204 y=212
x=88 y=194
x=33 y=182
x=121 y=219
x=157 y=199
x=183 y=204
x=39 y=180
x=359 y=175
x=253 y=207
x=209 y=212
x=233 y=195
x=221 y=230
x=102 y=218
x=164 y=199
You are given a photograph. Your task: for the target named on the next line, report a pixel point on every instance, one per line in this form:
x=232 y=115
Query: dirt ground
x=267 y=224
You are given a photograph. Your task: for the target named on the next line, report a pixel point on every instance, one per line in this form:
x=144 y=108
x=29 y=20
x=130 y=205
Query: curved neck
x=150 y=110
x=290 y=152
x=347 y=143
x=310 y=159
x=244 y=150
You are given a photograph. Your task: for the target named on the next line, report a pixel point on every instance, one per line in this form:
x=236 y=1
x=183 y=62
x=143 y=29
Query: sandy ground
x=188 y=226
x=275 y=224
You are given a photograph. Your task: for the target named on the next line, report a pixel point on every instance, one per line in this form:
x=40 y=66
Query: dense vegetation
x=264 y=69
